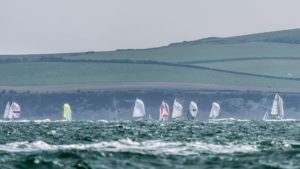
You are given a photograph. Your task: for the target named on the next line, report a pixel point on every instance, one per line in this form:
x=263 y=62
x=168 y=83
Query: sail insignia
x=193 y=110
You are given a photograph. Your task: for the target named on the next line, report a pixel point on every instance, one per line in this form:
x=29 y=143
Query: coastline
x=124 y=86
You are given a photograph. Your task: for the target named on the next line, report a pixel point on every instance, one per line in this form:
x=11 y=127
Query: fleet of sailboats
x=13 y=111
x=277 y=111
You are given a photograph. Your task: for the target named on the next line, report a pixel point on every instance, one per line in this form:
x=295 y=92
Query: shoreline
x=122 y=86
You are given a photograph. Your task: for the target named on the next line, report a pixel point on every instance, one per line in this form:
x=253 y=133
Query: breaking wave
x=127 y=145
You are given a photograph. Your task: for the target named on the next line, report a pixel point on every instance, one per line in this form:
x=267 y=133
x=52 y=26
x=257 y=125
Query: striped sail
x=139 y=109
x=215 y=111
x=177 y=110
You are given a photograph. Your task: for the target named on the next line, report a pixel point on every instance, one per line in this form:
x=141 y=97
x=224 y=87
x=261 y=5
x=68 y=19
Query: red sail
x=164 y=110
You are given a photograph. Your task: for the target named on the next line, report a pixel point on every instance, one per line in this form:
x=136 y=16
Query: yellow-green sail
x=67 y=112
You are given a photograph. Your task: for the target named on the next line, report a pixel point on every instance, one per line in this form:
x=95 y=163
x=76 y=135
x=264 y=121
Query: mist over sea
x=118 y=105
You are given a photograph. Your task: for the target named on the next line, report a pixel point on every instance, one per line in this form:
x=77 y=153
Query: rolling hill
x=263 y=61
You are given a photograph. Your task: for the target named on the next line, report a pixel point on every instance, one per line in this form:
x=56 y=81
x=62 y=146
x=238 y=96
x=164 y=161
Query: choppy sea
x=149 y=144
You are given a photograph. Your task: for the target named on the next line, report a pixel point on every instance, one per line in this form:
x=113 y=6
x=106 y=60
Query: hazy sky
x=50 y=26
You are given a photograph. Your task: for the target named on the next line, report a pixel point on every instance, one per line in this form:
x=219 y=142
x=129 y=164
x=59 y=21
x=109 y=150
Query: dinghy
x=193 y=111
x=277 y=111
x=215 y=111
x=138 y=110
x=67 y=116
x=164 y=111
x=177 y=110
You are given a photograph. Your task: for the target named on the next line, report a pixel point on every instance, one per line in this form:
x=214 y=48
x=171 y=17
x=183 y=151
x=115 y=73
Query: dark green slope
x=285 y=36
x=259 y=61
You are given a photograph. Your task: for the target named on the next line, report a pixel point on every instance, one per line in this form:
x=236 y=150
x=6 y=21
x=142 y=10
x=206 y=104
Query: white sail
x=193 y=109
x=164 y=111
x=215 y=111
x=177 y=110
x=281 y=110
x=275 y=107
x=10 y=113
x=277 y=111
x=139 y=109
x=6 y=111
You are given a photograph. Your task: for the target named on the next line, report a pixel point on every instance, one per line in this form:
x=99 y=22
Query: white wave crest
x=127 y=145
x=26 y=121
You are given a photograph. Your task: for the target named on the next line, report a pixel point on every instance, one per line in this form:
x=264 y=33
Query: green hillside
x=259 y=61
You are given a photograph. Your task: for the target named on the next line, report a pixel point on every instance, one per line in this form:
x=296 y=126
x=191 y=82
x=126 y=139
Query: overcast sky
x=51 y=26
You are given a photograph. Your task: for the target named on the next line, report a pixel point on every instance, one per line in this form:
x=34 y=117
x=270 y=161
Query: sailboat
x=12 y=111
x=177 y=110
x=193 y=110
x=164 y=111
x=67 y=116
x=138 y=110
x=277 y=111
x=215 y=111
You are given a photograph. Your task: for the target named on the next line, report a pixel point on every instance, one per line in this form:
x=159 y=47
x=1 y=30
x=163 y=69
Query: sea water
x=150 y=144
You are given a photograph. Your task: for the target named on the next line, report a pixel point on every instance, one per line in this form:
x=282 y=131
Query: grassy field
x=282 y=68
x=275 y=54
x=199 y=52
